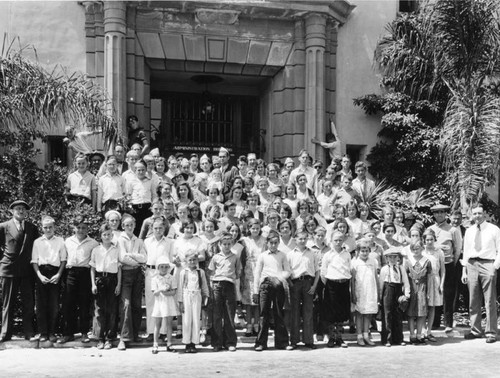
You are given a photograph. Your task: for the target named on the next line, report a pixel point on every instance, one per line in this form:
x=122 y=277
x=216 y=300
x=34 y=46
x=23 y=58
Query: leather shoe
x=7 y=338
x=217 y=349
x=121 y=345
x=491 y=339
x=471 y=336
x=310 y=346
x=65 y=339
x=259 y=348
x=291 y=347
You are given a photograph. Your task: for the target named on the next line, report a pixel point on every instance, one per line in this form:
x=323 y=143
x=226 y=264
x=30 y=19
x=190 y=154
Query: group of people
x=290 y=247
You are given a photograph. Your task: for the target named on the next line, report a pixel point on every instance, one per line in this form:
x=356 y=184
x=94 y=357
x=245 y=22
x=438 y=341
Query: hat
x=163 y=260
x=222 y=149
x=392 y=251
x=439 y=207
x=19 y=202
x=205 y=157
x=289 y=160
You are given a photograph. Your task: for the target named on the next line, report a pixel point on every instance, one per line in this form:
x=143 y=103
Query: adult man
x=136 y=134
x=449 y=239
x=362 y=184
x=310 y=172
x=16 y=273
x=121 y=164
x=228 y=172
x=456 y=221
x=480 y=263
x=252 y=160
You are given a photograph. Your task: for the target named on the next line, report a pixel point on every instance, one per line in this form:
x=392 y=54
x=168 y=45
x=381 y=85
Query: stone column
x=115 y=59
x=315 y=82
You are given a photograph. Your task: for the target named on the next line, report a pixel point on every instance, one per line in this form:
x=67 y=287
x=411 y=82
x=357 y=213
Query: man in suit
x=16 y=273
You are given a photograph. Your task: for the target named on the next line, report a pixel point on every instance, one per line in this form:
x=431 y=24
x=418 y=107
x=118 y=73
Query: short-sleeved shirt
x=105 y=260
x=48 y=251
x=81 y=185
x=225 y=267
x=141 y=191
x=112 y=187
x=336 y=266
x=156 y=248
x=303 y=263
x=79 y=252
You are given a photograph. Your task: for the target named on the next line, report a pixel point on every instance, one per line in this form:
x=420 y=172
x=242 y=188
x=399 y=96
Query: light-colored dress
x=164 y=305
x=365 y=275
x=253 y=248
x=436 y=257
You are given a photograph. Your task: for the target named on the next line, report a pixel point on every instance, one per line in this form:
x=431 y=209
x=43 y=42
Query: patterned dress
x=418 y=272
x=253 y=248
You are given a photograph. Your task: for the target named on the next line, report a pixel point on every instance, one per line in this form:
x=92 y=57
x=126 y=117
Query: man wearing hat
x=16 y=273
x=449 y=239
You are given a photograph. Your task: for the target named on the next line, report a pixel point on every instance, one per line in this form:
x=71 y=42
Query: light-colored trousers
x=149 y=298
x=191 y=318
x=482 y=280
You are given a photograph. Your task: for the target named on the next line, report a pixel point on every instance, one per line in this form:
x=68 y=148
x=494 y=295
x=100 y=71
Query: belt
x=303 y=277
x=129 y=268
x=141 y=205
x=343 y=280
x=222 y=282
x=111 y=201
x=105 y=274
x=151 y=266
x=480 y=259
x=78 y=268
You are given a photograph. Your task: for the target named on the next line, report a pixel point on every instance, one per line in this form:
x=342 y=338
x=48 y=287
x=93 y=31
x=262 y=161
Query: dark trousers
x=462 y=288
x=131 y=303
x=224 y=311
x=142 y=212
x=318 y=322
x=76 y=301
x=449 y=293
x=10 y=287
x=47 y=301
x=302 y=309
x=392 y=319
x=272 y=296
x=105 y=305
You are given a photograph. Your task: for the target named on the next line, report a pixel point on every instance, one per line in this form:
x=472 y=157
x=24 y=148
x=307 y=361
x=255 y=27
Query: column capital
x=315 y=25
x=115 y=17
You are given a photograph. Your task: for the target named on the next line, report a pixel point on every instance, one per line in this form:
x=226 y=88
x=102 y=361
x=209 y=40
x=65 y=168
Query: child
x=142 y=193
x=132 y=256
x=393 y=283
x=114 y=218
x=325 y=200
x=110 y=187
x=229 y=215
x=270 y=279
x=225 y=266
x=48 y=259
x=77 y=288
x=157 y=245
x=182 y=217
x=81 y=184
x=255 y=244
x=192 y=291
x=105 y=273
x=157 y=211
x=318 y=246
x=213 y=193
x=364 y=290
x=355 y=224
x=336 y=276
x=376 y=251
x=164 y=288
x=304 y=268
x=273 y=219
x=436 y=278
x=418 y=268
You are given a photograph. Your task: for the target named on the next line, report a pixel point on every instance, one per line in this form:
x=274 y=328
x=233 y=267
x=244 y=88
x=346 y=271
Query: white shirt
x=79 y=252
x=105 y=260
x=48 y=251
x=81 y=185
x=132 y=251
x=336 y=266
x=270 y=265
x=302 y=262
x=310 y=173
x=156 y=248
x=111 y=187
x=140 y=191
x=489 y=243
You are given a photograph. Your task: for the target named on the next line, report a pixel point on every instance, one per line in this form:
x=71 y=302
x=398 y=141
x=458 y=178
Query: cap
x=393 y=252
x=163 y=260
x=440 y=207
x=205 y=157
x=19 y=202
x=222 y=149
x=288 y=160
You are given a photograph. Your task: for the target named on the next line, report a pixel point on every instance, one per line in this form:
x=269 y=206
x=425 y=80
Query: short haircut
x=112 y=212
x=127 y=217
x=225 y=236
x=79 y=219
x=47 y=220
x=211 y=220
x=272 y=235
x=388 y=225
x=243 y=159
x=254 y=221
x=360 y=164
x=132 y=154
x=229 y=204
x=104 y=228
x=301 y=232
x=299 y=176
x=362 y=243
x=189 y=222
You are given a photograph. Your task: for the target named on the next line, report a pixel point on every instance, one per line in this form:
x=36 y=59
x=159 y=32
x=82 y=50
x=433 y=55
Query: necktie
x=21 y=228
x=395 y=274
x=477 y=239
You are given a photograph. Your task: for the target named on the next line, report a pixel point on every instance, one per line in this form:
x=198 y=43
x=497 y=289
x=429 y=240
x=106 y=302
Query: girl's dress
x=253 y=248
x=165 y=305
x=365 y=275
x=356 y=227
x=436 y=257
x=418 y=272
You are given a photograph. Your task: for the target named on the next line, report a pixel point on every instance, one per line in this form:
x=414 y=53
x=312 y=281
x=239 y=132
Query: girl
x=355 y=224
x=237 y=249
x=303 y=192
x=285 y=176
x=364 y=212
x=275 y=184
x=164 y=192
x=364 y=290
x=253 y=204
x=399 y=221
x=336 y=274
x=272 y=223
x=182 y=217
x=205 y=164
x=393 y=283
x=255 y=244
x=349 y=243
x=286 y=230
x=265 y=198
x=164 y=288
x=418 y=268
x=388 y=215
x=303 y=209
x=195 y=213
x=389 y=230
x=291 y=199
x=415 y=235
x=200 y=187
x=276 y=204
x=237 y=196
x=248 y=185
x=325 y=200
x=310 y=225
x=215 y=180
x=261 y=169
x=160 y=166
x=436 y=278
x=213 y=193
x=184 y=193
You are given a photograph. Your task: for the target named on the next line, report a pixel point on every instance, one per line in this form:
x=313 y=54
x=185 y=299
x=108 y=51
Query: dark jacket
x=16 y=249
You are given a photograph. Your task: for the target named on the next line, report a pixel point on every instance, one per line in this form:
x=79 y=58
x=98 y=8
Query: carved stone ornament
x=217 y=16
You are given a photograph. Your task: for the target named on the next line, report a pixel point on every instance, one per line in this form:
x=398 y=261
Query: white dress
x=365 y=273
x=165 y=305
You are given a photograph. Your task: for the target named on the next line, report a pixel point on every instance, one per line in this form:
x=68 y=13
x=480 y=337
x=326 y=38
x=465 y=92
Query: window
x=56 y=149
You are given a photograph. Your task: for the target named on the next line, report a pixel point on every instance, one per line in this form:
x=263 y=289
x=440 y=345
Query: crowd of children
x=206 y=243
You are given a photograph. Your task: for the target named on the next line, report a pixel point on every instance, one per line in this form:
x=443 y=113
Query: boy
x=304 y=268
x=141 y=192
x=110 y=188
x=320 y=248
x=132 y=157
x=225 y=266
x=156 y=245
x=157 y=210
x=105 y=273
x=169 y=212
x=229 y=215
x=192 y=291
x=77 y=288
x=48 y=259
x=132 y=256
x=81 y=184
x=271 y=272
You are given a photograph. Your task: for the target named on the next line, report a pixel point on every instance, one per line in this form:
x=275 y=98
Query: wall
x=357 y=39
x=55 y=29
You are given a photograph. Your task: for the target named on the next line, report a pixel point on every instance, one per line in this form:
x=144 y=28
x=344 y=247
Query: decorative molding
x=217 y=16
